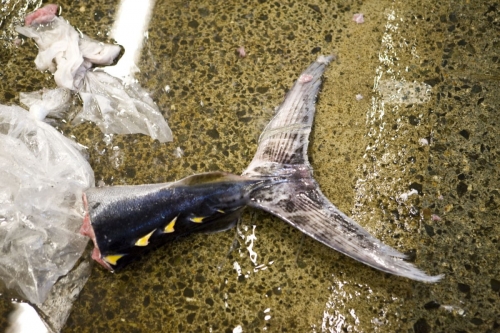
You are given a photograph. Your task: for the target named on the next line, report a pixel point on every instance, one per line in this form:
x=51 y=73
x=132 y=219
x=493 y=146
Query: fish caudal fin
x=293 y=195
x=286 y=137
x=308 y=210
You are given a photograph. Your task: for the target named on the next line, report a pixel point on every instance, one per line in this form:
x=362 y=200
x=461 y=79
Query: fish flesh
x=123 y=221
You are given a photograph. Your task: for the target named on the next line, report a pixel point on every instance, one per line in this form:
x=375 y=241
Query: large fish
x=124 y=220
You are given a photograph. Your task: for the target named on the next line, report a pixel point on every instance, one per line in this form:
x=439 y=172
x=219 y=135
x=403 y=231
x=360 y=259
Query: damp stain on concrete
x=435 y=132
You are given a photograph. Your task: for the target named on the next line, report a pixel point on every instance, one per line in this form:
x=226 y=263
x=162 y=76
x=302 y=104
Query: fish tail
x=292 y=194
x=300 y=202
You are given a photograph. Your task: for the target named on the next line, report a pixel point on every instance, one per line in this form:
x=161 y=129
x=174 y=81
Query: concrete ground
x=428 y=72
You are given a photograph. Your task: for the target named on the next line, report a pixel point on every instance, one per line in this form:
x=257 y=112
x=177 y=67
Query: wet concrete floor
x=428 y=72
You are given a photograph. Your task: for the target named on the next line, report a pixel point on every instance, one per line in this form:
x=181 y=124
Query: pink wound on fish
x=87 y=230
x=304 y=78
x=41 y=15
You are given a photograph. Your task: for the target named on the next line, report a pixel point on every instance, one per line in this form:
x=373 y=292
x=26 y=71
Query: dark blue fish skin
x=121 y=215
x=279 y=180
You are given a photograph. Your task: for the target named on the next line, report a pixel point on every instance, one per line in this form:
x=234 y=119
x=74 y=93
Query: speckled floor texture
x=428 y=121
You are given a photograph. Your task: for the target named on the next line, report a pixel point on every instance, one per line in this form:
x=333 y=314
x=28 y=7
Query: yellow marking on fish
x=198 y=219
x=170 y=227
x=113 y=258
x=221 y=211
x=143 y=241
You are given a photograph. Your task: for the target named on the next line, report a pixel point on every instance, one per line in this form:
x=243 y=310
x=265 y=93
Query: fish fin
x=308 y=210
x=144 y=241
x=197 y=219
x=210 y=178
x=222 y=222
x=170 y=226
x=286 y=137
x=113 y=258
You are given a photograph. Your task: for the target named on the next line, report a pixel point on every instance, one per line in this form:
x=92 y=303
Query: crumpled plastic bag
x=119 y=108
x=116 y=107
x=53 y=102
x=64 y=52
x=43 y=175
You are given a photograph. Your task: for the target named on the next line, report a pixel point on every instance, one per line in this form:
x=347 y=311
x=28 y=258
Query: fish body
x=125 y=220
x=279 y=180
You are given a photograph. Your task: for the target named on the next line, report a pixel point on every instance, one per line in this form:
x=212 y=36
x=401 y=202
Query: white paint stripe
x=24 y=319
x=130 y=30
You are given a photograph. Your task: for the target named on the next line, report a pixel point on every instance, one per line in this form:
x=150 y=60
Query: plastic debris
x=63 y=52
x=57 y=306
x=43 y=175
x=423 y=142
x=121 y=109
x=359 y=97
x=435 y=217
x=178 y=152
x=241 y=52
x=358 y=18
x=114 y=106
x=53 y=102
x=405 y=196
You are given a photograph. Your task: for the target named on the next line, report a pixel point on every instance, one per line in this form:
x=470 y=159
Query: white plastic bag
x=58 y=49
x=114 y=106
x=43 y=175
x=63 y=51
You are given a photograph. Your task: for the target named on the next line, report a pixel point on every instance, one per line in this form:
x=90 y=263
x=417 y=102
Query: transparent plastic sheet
x=43 y=175
x=56 y=309
x=120 y=108
x=116 y=107
x=52 y=102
